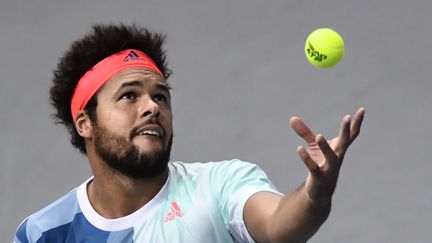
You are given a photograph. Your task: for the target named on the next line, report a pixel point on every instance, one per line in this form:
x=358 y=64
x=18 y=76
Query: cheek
x=167 y=122
x=118 y=121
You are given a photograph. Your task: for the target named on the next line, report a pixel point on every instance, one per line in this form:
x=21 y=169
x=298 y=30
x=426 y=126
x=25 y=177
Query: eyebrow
x=164 y=86
x=128 y=84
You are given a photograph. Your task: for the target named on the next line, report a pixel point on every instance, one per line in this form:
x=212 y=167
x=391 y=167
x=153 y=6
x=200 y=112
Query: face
x=133 y=128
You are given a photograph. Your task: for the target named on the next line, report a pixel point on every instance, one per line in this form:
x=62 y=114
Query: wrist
x=321 y=201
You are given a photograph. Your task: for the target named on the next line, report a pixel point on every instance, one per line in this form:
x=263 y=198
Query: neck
x=114 y=195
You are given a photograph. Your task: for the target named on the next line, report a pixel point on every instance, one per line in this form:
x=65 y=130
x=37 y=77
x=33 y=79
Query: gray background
x=239 y=75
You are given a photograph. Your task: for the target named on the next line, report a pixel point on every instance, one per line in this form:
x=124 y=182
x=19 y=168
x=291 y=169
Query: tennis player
x=110 y=90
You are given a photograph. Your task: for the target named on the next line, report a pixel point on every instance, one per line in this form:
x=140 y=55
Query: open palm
x=324 y=158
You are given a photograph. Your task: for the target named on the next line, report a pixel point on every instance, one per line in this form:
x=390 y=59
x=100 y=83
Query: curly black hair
x=101 y=42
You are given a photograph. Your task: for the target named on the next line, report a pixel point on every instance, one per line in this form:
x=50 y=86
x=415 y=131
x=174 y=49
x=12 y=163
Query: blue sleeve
x=21 y=234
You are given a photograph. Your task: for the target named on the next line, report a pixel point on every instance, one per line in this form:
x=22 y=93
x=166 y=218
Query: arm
x=296 y=216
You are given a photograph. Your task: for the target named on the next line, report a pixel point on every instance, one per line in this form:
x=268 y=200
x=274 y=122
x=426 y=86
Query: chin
x=143 y=142
x=149 y=148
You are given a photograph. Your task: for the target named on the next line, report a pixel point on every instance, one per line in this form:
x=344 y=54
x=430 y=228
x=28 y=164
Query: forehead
x=145 y=76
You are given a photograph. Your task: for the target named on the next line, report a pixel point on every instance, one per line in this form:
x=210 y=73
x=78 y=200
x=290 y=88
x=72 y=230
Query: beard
x=125 y=157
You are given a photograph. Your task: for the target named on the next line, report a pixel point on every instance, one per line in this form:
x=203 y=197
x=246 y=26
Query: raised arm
x=296 y=216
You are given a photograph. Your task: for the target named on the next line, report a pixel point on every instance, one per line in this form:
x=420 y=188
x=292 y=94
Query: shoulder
x=235 y=168
x=225 y=166
x=59 y=212
x=233 y=165
x=215 y=172
x=210 y=164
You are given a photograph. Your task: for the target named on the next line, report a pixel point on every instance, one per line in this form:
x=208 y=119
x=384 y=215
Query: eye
x=131 y=96
x=160 y=97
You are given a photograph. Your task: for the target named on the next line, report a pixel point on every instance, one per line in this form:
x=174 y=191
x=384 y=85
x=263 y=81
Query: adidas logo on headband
x=132 y=56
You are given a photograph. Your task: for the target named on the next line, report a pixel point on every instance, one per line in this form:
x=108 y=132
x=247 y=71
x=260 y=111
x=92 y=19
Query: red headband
x=100 y=73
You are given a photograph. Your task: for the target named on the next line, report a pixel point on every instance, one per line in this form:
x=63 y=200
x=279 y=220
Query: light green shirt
x=200 y=202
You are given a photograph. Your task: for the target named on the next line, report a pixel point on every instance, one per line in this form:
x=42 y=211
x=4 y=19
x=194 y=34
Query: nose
x=149 y=108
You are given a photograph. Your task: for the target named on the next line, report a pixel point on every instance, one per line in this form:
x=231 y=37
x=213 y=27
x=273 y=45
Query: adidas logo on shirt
x=175 y=212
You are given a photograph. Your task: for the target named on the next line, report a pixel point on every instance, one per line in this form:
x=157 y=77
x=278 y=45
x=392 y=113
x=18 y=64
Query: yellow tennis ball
x=324 y=48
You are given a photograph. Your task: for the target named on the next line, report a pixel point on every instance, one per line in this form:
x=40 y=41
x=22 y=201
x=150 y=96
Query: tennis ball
x=324 y=48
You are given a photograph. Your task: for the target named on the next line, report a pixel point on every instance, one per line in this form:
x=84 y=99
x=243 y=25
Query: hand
x=324 y=158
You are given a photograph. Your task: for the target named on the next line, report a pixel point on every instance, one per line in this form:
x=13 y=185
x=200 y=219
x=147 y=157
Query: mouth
x=150 y=130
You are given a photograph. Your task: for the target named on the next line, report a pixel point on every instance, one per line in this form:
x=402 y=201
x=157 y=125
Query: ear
x=83 y=125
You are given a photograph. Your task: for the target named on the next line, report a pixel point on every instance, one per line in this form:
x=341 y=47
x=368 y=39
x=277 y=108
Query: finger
x=302 y=130
x=312 y=166
x=356 y=123
x=327 y=151
x=344 y=133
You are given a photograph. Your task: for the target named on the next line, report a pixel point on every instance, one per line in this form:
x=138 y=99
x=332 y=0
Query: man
x=110 y=90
